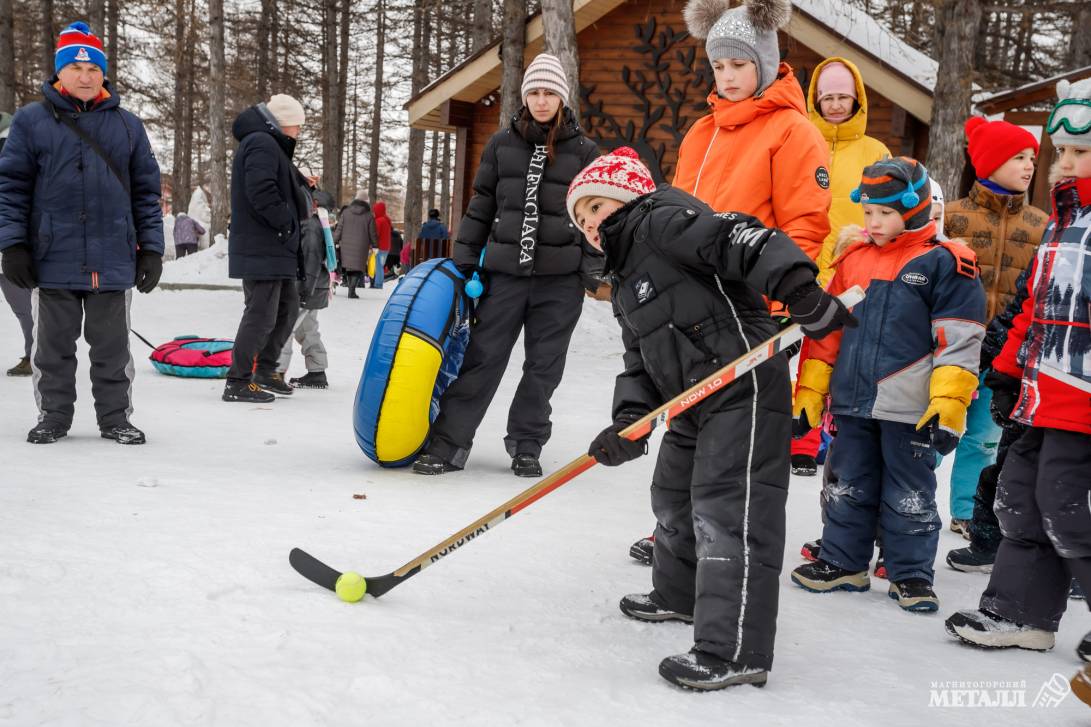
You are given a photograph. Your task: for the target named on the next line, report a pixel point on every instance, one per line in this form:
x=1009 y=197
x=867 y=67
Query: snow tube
x=194 y=357
x=415 y=353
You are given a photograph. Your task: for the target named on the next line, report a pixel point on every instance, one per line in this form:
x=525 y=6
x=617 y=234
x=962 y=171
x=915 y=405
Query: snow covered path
x=150 y=585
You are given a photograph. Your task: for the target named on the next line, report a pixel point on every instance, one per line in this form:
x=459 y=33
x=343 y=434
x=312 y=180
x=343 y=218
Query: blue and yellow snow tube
x=415 y=353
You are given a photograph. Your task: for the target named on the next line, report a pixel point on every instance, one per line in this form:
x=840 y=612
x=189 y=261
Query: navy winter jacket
x=433 y=230
x=58 y=196
x=267 y=201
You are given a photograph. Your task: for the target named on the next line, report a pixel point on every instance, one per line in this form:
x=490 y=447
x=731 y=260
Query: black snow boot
x=699 y=670
x=646 y=607
x=46 y=433
x=641 y=551
x=124 y=434
x=971 y=560
x=914 y=594
x=526 y=465
x=273 y=383
x=880 y=566
x=1076 y=591
x=823 y=577
x=1084 y=649
x=989 y=631
x=246 y=392
x=811 y=549
x=353 y=281
x=804 y=464
x=430 y=464
x=311 y=380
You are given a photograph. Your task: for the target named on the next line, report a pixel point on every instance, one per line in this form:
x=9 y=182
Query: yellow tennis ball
x=350 y=587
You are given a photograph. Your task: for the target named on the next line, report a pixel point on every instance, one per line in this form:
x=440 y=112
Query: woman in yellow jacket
x=837 y=105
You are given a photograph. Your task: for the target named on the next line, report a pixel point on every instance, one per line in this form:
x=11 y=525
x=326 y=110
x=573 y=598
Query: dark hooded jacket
x=268 y=202
x=59 y=197
x=496 y=215
x=687 y=290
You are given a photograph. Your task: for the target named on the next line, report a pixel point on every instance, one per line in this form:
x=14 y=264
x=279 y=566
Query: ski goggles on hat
x=1055 y=122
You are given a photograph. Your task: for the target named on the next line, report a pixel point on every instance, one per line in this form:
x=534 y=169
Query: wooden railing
x=427 y=249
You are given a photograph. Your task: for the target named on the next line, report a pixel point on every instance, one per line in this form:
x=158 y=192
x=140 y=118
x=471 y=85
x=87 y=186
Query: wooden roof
x=480 y=74
x=1044 y=90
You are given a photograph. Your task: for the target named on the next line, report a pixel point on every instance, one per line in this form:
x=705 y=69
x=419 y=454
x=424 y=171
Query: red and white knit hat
x=619 y=175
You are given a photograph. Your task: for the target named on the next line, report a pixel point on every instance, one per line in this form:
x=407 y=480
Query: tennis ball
x=350 y=587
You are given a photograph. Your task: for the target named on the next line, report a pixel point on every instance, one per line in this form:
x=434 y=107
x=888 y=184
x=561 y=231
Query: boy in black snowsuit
x=687 y=291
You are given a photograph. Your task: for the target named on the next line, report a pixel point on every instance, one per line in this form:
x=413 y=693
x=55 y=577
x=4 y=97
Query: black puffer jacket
x=267 y=201
x=497 y=210
x=664 y=254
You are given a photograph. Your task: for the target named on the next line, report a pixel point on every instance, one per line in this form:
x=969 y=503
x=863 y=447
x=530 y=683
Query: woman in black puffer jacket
x=535 y=264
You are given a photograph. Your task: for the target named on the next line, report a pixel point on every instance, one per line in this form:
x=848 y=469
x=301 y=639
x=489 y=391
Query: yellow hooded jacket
x=850 y=152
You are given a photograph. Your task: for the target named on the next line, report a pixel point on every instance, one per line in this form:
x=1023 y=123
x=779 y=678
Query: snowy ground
x=150 y=585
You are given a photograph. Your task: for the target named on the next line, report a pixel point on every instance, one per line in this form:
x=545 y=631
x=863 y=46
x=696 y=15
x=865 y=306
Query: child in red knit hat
x=687 y=288
x=1004 y=231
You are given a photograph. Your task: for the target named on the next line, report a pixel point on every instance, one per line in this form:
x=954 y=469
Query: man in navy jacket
x=81 y=223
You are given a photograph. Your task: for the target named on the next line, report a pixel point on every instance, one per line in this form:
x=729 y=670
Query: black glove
x=149 y=268
x=1005 y=396
x=943 y=441
x=801 y=426
x=18 y=266
x=817 y=312
x=611 y=450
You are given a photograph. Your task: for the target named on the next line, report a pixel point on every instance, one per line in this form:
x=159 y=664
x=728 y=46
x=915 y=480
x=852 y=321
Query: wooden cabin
x=644 y=81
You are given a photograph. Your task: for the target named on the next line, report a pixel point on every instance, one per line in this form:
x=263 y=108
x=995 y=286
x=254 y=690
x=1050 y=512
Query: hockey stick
x=318 y=572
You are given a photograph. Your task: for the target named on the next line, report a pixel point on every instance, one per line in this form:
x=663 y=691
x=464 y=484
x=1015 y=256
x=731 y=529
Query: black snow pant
x=104 y=317
x=546 y=308
x=19 y=300
x=984 y=527
x=272 y=307
x=1043 y=502
x=718 y=493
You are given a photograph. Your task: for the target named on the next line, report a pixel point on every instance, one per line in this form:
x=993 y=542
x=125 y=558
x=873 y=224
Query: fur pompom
x=769 y=14
x=701 y=15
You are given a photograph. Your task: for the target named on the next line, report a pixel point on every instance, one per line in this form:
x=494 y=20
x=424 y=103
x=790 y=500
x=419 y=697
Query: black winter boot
x=804 y=464
x=699 y=670
x=811 y=549
x=641 y=551
x=46 y=433
x=124 y=434
x=274 y=383
x=989 y=631
x=1084 y=649
x=353 y=281
x=312 y=380
x=526 y=465
x=22 y=368
x=246 y=392
x=823 y=577
x=914 y=594
x=645 y=607
x=430 y=464
x=971 y=560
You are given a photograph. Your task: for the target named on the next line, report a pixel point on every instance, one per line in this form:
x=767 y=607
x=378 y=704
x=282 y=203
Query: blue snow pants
x=976 y=451
x=883 y=474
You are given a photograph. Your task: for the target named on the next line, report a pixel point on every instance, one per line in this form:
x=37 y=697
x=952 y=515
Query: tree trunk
x=182 y=59
x=422 y=26
x=7 y=57
x=559 y=25
x=956 y=33
x=445 y=179
x=1079 y=48
x=113 y=50
x=377 y=106
x=96 y=17
x=217 y=126
x=512 y=48
x=481 y=32
x=331 y=117
x=266 y=42
x=49 y=42
x=343 y=74
x=433 y=170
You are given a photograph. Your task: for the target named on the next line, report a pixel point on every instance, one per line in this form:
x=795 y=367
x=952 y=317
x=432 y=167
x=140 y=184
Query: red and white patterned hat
x=619 y=175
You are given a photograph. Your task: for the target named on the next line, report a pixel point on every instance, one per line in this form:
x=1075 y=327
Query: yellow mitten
x=950 y=390
x=811 y=391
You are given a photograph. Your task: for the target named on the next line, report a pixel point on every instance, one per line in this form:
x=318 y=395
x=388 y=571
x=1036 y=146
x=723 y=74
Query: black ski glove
x=18 y=266
x=149 y=268
x=1005 y=396
x=611 y=450
x=943 y=441
x=817 y=312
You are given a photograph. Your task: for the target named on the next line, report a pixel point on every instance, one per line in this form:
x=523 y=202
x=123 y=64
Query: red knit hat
x=994 y=142
x=619 y=175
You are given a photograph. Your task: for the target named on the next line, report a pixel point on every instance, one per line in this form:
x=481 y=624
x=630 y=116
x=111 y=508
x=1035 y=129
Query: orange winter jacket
x=763 y=157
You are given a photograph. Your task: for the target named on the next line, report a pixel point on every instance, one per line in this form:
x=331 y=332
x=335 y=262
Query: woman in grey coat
x=356 y=236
